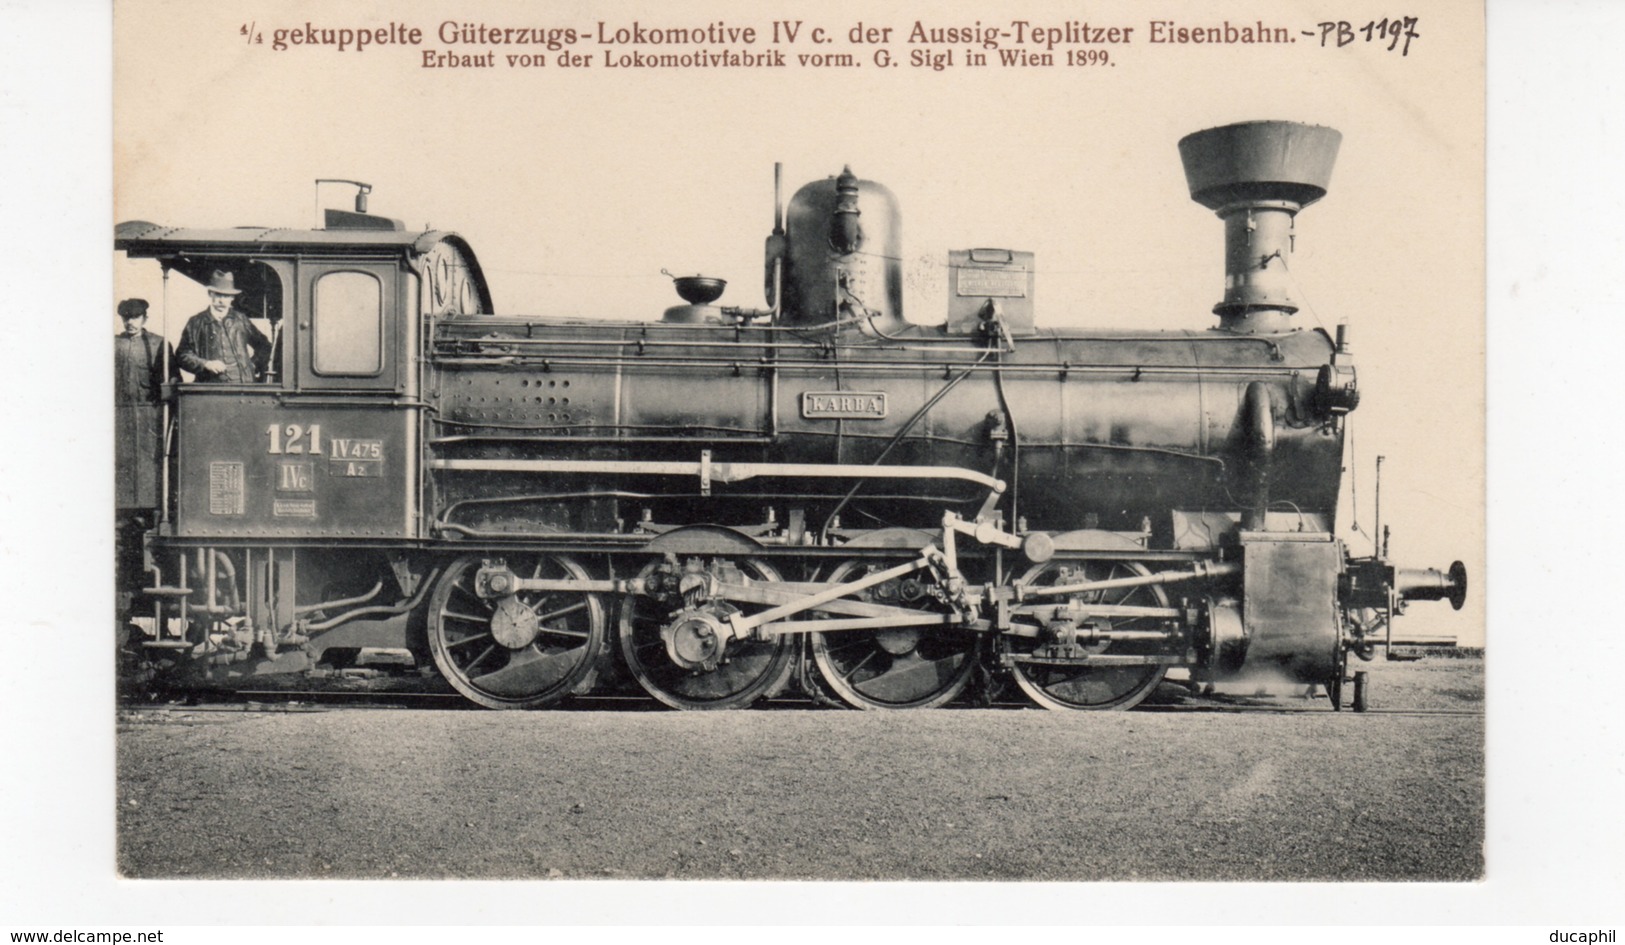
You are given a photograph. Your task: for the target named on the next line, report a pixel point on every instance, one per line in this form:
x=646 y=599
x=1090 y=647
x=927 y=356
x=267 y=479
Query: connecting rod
x=1201 y=571
x=743 y=625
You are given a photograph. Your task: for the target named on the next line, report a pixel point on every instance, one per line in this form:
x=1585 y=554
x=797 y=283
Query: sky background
x=576 y=186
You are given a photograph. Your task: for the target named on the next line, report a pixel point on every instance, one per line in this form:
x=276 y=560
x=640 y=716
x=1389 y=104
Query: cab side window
x=348 y=326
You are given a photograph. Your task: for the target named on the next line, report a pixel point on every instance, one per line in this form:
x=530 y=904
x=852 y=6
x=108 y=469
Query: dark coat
x=138 y=378
x=233 y=340
x=138 y=364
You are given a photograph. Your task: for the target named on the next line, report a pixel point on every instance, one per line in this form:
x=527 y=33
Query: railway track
x=1174 y=702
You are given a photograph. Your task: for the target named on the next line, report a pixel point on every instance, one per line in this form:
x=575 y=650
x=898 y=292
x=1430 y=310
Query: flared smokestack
x=1257 y=175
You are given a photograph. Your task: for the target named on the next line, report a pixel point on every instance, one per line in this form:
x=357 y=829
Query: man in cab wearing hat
x=142 y=362
x=219 y=343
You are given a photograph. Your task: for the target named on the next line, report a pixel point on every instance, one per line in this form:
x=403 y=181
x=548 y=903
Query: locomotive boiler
x=727 y=501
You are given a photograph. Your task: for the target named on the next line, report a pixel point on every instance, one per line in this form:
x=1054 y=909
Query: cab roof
x=194 y=251
x=140 y=238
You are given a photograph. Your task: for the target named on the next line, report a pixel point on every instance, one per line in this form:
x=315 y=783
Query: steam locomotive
x=730 y=501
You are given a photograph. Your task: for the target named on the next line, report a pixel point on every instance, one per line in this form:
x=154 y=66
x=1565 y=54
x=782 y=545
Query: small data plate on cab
x=293 y=508
x=360 y=459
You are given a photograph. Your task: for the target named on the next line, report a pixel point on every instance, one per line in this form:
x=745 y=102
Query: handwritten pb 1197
x=1396 y=31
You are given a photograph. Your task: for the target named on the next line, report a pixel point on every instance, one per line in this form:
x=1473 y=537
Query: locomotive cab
x=340 y=309
x=316 y=458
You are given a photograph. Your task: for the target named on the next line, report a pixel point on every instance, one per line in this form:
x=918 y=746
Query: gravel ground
x=1235 y=788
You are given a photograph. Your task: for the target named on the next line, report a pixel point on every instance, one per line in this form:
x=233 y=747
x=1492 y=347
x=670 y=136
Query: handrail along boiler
x=728 y=501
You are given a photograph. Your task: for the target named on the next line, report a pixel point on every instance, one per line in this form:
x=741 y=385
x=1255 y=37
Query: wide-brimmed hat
x=132 y=308
x=222 y=282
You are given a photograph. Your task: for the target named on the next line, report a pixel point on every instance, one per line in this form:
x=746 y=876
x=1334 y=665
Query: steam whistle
x=845 y=232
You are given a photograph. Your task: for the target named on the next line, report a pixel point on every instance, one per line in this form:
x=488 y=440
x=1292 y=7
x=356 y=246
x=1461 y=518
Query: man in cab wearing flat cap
x=220 y=344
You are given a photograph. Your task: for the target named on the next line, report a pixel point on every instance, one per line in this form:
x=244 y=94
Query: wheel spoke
x=467 y=640
x=480 y=659
x=544 y=618
x=861 y=663
x=468 y=617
